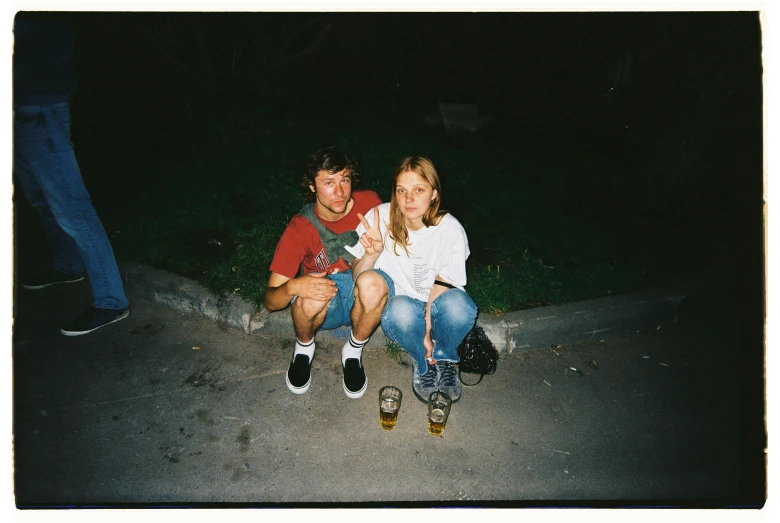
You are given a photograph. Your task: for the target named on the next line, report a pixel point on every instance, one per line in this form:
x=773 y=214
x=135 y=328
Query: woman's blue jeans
x=453 y=315
x=49 y=176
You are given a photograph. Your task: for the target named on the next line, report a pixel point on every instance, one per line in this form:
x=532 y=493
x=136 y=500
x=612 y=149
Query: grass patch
x=394 y=351
x=532 y=284
x=217 y=215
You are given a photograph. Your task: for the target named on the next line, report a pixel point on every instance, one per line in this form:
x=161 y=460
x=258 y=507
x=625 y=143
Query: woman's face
x=413 y=195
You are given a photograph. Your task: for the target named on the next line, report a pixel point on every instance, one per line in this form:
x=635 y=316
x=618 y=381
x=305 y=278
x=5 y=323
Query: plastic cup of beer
x=439 y=404
x=389 y=405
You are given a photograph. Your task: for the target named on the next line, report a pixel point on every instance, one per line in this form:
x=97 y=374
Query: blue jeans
x=340 y=306
x=452 y=317
x=49 y=176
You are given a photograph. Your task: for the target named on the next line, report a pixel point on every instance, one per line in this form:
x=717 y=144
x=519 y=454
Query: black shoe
x=355 y=381
x=299 y=374
x=49 y=278
x=93 y=319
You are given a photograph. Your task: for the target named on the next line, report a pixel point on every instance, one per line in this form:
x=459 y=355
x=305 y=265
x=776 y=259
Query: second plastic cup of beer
x=389 y=405
x=439 y=404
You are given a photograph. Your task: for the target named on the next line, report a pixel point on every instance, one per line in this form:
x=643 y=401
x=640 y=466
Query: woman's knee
x=456 y=305
x=402 y=312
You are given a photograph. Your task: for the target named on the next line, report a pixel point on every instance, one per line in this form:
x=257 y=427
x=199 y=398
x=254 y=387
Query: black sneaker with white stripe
x=298 y=376
x=92 y=320
x=49 y=278
x=355 y=381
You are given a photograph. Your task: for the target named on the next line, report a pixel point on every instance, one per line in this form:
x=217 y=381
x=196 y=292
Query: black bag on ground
x=477 y=355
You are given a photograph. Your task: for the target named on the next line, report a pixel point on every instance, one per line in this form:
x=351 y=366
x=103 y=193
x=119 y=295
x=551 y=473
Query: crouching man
x=312 y=270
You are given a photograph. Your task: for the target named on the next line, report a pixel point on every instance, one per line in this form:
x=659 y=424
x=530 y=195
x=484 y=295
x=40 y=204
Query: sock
x=304 y=348
x=353 y=348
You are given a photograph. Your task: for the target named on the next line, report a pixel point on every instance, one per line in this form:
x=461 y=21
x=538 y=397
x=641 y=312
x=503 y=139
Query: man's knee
x=308 y=307
x=371 y=289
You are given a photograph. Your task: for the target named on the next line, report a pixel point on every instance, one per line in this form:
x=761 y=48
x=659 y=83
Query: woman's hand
x=428 y=344
x=371 y=240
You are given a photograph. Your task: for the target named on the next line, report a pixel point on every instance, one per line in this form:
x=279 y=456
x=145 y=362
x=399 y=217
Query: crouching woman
x=424 y=250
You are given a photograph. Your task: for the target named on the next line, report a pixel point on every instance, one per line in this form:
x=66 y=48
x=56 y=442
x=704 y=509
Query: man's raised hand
x=371 y=240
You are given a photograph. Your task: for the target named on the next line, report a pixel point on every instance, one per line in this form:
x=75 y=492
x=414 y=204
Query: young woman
x=424 y=251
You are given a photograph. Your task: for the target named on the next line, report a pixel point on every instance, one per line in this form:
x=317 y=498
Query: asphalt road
x=166 y=408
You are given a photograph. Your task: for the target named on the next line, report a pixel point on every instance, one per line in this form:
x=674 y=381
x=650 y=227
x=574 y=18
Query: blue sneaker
x=423 y=385
x=449 y=381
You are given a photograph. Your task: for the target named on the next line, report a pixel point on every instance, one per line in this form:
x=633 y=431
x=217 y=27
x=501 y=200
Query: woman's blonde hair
x=423 y=167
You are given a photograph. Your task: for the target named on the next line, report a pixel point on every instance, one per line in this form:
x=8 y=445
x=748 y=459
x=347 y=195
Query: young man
x=312 y=270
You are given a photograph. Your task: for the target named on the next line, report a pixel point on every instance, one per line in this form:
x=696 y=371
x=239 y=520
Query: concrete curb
x=524 y=330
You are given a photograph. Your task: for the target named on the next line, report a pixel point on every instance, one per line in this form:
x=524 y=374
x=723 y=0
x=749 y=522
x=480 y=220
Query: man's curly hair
x=332 y=160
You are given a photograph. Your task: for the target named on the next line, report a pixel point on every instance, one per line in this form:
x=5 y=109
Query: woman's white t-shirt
x=438 y=250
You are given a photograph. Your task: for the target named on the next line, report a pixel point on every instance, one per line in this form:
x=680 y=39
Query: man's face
x=333 y=192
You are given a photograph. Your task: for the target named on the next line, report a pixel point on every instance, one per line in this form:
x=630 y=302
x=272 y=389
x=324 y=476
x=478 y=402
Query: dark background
x=673 y=155
x=526 y=67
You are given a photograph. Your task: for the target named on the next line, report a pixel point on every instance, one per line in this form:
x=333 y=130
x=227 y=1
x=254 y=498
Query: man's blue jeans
x=339 y=312
x=452 y=317
x=49 y=176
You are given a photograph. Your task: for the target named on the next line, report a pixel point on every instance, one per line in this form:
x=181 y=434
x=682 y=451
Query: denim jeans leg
x=453 y=315
x=339 y=307
x=67 y=259
x=44 y=134
x=403 y=321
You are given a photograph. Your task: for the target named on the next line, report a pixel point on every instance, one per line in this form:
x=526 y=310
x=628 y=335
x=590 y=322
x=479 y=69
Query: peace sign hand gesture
x=371 y=240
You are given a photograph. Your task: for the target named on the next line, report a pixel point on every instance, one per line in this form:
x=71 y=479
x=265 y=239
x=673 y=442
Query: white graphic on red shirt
x=321 y=260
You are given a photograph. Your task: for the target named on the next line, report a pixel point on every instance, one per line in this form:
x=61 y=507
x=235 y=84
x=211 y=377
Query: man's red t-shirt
x=300 y=241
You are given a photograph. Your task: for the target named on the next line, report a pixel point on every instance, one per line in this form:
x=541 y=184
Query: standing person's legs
x=43 y=141
x=67 y=260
